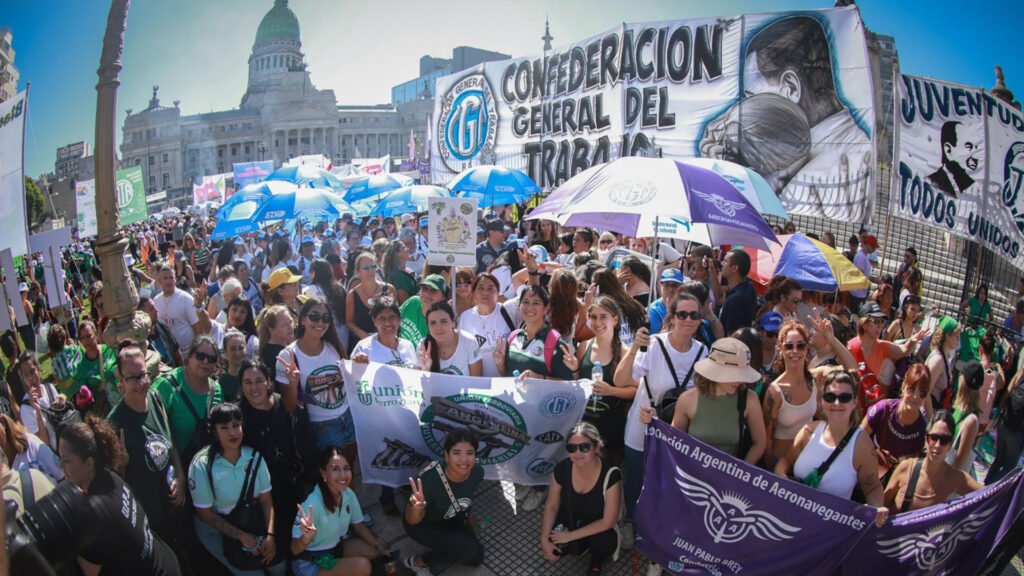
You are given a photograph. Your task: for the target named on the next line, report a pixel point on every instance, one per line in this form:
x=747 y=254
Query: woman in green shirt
x=437 y=515
x=234 y=353
x=95 y=370
x=188 y=393
x=395 y=272
x=978 y=306
x=537 y=350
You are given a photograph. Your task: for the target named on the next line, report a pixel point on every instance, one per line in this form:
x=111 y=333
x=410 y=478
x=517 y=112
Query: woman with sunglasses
x=853 y=464
x=871 y=352
x=464 y=279
x=188 y=392
x=897 y=426
x=361 y=293
x=788 y=296
x=583 y=502
x=95 y=370
x=922 y=482
x=793 y=399
x=489 y=319
x=154 y=471
x=446 y=349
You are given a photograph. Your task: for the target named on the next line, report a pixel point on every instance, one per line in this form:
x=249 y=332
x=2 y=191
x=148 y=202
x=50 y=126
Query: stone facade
x=8 y=72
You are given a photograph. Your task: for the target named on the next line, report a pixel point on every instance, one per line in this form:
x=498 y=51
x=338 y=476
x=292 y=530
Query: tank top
x=362 y=318
x=959 y=418
x=841 y=477
x=793 y=417
x=716 y=422
x=606 y=404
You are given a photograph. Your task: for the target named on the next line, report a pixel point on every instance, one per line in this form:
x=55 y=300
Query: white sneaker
x=628 y=536
x=653 y=569
x=410 y=563
x=522 y=492
x=533 y=500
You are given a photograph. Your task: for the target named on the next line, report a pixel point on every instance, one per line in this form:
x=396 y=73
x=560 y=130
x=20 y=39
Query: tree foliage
x=35 y=204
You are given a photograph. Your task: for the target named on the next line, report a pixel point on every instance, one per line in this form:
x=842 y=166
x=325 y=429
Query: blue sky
x=196 y=50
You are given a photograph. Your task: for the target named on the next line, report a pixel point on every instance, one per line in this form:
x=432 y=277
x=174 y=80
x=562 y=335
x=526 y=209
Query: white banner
x=451 y=231
x=402 y=415
x=85 y=204
x=959 y=163
x=788 y=95
x=50 y=243
x=13 y=225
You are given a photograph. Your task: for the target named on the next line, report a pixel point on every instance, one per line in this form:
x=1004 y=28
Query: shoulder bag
x=247 y=516
x=814 y=478
x=666 y=407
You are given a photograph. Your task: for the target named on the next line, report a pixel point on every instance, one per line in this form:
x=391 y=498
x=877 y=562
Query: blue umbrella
x=494 y=185
x=408 y=199
x=254 y=192
x=309 y=176
x=307 y=202
x=375 y=187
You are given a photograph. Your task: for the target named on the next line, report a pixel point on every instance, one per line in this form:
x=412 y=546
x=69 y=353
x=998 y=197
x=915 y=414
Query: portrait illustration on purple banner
x=701 y=511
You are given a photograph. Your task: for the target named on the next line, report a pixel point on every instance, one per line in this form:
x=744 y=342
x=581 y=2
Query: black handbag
x=247 y=516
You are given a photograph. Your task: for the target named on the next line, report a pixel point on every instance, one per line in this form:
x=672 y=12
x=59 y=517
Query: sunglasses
x=789 y=346
x=604 y=242
x=943 y=439
x=368 y=267
x=683 y=315
x=583 y=448
x=831 y=397
x=877 y=320
x=204 y=357
x=319 y=318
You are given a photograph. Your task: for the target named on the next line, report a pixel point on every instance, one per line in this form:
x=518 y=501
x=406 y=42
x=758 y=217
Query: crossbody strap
x=908 y=496
x=28 y=489
x=836 y=451
x=447 y=487
x=188 y=403
x=741 y=410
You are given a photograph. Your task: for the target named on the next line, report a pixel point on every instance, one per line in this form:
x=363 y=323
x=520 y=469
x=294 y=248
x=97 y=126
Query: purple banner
x=701 y=511
x=251 y=172
x=717 y=203
x=953 y=538
x=424 y=168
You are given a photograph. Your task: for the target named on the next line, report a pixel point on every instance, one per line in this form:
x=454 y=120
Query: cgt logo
x=540 y=467
x=551 y=437
x=468 y=121
x=125 y=193
x=557 y=403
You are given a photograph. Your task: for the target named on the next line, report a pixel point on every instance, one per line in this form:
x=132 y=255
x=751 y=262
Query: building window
x=167 y=180
x=220 y=152
x=152 y=160
x=152 y=182
x=138 y=161
x=165 y=158
x=234 y=150
x=248 y=148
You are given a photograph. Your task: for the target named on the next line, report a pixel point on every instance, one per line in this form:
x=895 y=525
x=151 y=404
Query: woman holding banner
x=898 y=426
x=834 y=456
x=447 y=349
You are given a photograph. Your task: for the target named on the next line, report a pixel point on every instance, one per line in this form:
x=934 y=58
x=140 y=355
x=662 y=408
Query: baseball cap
x=973 y=373
x=407 y=216
x=436 y=282
x=771 y=321
x=870 y=308
x=262 y=236
x=282 y=276
x=22 y=287
x=307 y=239
x=238 y=240
x=424 y=222
x=672 y=275
x=540 y=253
x=490 y=214
x=495 y=225
x=329 y=232
x=480 y=231
x=406 y=232
x=871 y=241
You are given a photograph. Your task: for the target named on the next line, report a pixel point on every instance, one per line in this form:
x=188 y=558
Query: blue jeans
x=634 y=479
x=1009 y=445
x=213 y=542
x=338 y=432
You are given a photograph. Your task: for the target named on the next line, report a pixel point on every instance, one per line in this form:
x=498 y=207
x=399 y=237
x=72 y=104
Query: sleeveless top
x=841 y=478
x=361 y=317
x=607 y=404
x=959 y=418
x=793 y=417
x=716 y=422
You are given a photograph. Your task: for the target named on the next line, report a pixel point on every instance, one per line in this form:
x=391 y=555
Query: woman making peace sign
x=328 y=513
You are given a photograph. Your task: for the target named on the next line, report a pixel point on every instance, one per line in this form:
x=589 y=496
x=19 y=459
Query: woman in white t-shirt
x=489 y=320
x=39 y=396
x=309 y=370
x=384 y=346
x=446 y=349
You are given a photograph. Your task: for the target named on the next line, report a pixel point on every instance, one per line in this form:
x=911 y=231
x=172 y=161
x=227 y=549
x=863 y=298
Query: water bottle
x=520 y=381
x=597 y=375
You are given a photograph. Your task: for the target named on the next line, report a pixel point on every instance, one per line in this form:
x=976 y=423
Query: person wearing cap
x=740 y=300
x=671 y=280
x=283 y=288
x=422 y=242
x=862 y=260
x=176 y=309
x=940 y=361
x=488 y=250
x=871 y=352
x=304 y=259
x=709 y=410
x=433 y=289
x=967 y=411
x=769 y=325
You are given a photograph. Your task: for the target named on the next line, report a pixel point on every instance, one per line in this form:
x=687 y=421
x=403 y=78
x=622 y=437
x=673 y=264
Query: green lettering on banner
x=131 y=195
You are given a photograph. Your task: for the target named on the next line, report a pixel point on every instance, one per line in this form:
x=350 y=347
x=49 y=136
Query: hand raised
x=569 y=357
x=416 y=499
x=306 y=524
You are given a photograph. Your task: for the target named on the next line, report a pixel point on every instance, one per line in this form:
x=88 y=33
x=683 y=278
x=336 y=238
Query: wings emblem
x=932 y=549
x=727 y=207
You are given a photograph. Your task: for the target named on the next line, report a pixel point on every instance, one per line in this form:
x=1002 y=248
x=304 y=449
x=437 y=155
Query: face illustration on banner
x=959 y=160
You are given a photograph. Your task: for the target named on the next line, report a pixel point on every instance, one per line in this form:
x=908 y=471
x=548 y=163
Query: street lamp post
x=121 y=299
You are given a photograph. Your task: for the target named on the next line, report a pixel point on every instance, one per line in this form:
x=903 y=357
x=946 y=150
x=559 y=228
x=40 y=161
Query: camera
x=50 y=533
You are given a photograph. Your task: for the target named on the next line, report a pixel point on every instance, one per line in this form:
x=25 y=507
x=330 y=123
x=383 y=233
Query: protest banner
x=13 y=221
x=452 y=224
x=402 y=415
x=701 y=511
x=958 y=163
x=131 y=196
x=85 y=205
x=247 y=173
x=786 y=94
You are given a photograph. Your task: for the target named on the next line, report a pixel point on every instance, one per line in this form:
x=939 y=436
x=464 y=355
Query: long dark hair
x=222 y=413
x=331 y=337
x=259 y=366
x=249 y=326
x=435 y=351
x=609 y=304
x=325 y=459
x=632 y=311
x=323 y=276
x=563 y=287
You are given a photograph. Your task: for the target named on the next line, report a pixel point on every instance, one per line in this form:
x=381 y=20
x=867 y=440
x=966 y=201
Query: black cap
x=495 y=225
x=973 y=373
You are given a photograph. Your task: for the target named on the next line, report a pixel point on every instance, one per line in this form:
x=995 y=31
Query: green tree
x=35 y=204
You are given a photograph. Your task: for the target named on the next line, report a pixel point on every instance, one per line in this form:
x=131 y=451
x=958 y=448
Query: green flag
x=131 y=195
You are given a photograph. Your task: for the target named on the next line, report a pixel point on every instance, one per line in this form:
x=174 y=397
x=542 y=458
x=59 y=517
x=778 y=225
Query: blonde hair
x=590 y=432
x=268 y=321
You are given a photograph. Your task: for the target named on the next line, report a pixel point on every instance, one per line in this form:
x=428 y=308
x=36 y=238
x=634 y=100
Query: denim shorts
x=304 y=568
x=339 y=431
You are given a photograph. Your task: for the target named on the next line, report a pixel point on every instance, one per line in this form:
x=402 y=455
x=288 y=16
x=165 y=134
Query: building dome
x=279 y=24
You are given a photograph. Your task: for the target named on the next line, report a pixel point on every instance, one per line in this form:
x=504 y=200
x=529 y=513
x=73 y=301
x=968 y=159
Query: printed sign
x=131 y=196
x=13 y=221
x=85 y=204
x=452 y=231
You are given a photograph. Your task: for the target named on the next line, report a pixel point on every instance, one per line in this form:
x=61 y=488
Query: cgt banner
x=402 y=415
x=730 y=517
x=787 y=94
x=13 y=220
x=131 y=196
x=959 y=163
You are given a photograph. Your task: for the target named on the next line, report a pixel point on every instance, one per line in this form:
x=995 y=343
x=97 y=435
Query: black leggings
x=450 y=543
x=601 y=545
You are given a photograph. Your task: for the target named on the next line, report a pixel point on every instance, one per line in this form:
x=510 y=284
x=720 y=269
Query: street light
x=262 y=150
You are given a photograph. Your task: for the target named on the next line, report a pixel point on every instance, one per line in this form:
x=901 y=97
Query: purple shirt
x=890 y=434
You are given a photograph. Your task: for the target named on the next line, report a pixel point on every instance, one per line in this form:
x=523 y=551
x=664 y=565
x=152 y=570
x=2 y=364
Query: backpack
x=1012 y=413
x=871 y=390
x=550 y=345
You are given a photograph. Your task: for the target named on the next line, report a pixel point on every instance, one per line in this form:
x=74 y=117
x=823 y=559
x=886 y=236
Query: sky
x=196 y=50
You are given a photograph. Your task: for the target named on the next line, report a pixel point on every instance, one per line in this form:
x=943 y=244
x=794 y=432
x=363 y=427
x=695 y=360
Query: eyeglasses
x=317 y=317
x=583 y=448
x=771 y=334
x=365 y=267
x=831 y=397
x=789 y=346
x=604 y=242
x=683 y=315
x=204 y=357
x=943 y=439
x=877 y=320
x=137 y=380
x=796 y=300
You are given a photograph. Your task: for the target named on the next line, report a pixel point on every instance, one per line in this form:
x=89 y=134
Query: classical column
x=121 y=299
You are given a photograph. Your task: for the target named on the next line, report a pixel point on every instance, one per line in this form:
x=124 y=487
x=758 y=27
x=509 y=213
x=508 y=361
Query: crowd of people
x=229 y=434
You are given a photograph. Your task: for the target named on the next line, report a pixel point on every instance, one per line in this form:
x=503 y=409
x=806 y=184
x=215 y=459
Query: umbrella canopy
x=494 y=185
x=306 y=175
x=630 y=195
x=816 y=266
x=751 y=184
x=255 y=192
x=374 y=187
x=408 y=199
x=237 y=221
x=307 y=202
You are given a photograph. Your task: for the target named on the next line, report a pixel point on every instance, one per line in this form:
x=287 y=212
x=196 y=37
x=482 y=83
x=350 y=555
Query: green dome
x=279 y=24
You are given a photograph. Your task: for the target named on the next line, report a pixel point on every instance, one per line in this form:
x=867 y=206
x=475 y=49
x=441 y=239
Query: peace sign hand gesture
x=499 y=353
x=821 y=324
x=291 y=369
x=425 y=360
x=306 y=525
x=569 y=358
x=416 y=499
